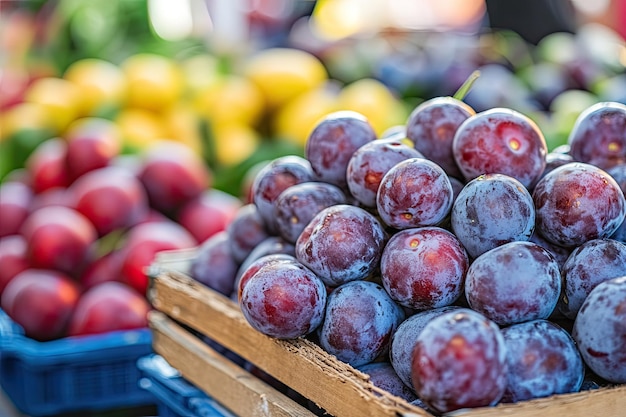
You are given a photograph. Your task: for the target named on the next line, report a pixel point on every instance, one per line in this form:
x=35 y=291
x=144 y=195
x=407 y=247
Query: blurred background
x=131 y=127
x=242 y=81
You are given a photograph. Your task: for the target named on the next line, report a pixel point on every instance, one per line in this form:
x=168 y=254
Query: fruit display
x=247 y=105
x=447 y=287
x=82 y=227
x=444 y=214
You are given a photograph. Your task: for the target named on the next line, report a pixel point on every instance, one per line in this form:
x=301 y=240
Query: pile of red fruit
x=81 y=221
x=456 y=253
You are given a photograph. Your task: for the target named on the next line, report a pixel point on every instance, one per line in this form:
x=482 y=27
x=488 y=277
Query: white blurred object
x=336 y=19
x=171 y=20
x=230 y=23
x=592 y=8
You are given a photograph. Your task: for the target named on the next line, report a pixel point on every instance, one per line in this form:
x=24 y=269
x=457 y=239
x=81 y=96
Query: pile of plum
x=455 y=259
x=81 y=221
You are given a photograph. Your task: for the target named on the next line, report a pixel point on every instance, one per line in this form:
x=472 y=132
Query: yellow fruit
x=200 y=71
x=375 y=101
x=284 y=73
x=102 y=84
x=154 y=81
x=23 y=116
x=296 y=119
x=182 y=125
x=234 y=143
x=59 y=98
x=232 y=99
x=140 y=128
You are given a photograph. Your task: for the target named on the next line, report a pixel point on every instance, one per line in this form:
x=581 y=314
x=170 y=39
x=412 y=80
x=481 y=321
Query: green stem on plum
x=467 y=85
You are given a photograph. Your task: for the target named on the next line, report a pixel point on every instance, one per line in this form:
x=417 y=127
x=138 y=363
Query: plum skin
x=543 y=360
x=459 y=361
x=404 y=338
x=577 y=202
x=284 y=300
x=516 y=282
x=600 y=330
x=491 y=210
x=359 y=323
x=500 y=141
x=341 y=243
x=424 y=268
x=415 y=192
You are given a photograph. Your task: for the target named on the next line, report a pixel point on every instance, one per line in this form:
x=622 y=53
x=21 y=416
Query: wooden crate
x=184 y=306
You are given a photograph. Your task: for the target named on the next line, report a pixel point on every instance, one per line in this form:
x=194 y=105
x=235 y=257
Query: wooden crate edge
x=224 y=381
x=301 y=364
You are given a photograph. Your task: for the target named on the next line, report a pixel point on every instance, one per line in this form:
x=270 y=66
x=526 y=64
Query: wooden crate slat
x=301 y=364
x=603 y=402
x=230 y=385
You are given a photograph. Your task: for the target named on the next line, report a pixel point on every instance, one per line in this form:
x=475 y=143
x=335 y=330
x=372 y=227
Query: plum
x=600 y=330
x=296 y=206
x=413 y=193
x=424 y=268
x=214 y=265
x=274 y=178
x=112 y=198
x=42 y=301
x=173 y=174
x=359 y=323
x=432 y=126
x=513 y=283
x=285 y=300
x=245 y=231
x=589 y=264
x=369 y=163
x=598 y=136
x=491 y=210
x=459 y=361
x=500 y=141
x=577 y=202
x=542 y=360
x=341 y=243
x=107 y=307
x=332 y=143
x=59 y=238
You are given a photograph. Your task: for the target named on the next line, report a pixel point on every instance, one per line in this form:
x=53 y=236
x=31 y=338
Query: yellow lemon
x=375 y=101
x=102 y=84
x=23 y=116
x=182 y=125
x=232 y=99
x=284 y=73
x=234 y=143
x=58 y=97
x=200 y=71
x=296 y=120
x=154 y=81
x=140 y=128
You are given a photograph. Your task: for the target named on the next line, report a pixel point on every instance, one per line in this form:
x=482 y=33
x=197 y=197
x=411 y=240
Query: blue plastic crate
x=86 y=373
x=175 y=396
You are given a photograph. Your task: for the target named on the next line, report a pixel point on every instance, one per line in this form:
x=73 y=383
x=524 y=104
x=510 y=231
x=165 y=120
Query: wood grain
x=230 y=385
x=302 y=365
